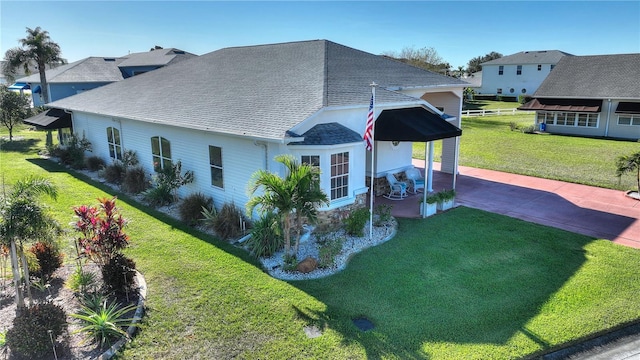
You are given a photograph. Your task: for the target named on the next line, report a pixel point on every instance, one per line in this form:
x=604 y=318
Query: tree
x=474 y=64
x=23 y=219
x=298 y=192
x=629 y=163
x=426 y=58
x=37 y=49
x=14 y=107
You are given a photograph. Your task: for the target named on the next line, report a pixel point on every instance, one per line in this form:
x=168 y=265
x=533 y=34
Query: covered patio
x=409 y=207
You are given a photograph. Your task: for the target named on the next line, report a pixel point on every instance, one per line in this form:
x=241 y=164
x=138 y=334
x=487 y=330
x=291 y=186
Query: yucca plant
x=106 y=323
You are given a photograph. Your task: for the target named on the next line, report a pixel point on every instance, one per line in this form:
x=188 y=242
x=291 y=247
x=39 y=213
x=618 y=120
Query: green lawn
x=488 y=143
x=489 y=105
x=502 y=288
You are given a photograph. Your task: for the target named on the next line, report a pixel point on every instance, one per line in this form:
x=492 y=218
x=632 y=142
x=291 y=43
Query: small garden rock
x=307 y=265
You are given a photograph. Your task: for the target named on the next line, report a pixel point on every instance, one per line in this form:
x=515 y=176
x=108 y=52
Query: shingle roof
x=259 y=91
x=530 y=57
x=599 y=76
x=329 y=134
x=157 y=57
x=91 y=69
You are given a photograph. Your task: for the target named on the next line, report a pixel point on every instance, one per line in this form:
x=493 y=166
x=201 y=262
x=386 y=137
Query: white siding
x=530 y=79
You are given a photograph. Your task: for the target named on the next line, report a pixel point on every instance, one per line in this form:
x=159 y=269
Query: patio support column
x=455 y=166
x=429 y=170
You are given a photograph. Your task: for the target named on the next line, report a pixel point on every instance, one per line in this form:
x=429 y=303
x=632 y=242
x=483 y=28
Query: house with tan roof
x=596 y=96
x=228 y=113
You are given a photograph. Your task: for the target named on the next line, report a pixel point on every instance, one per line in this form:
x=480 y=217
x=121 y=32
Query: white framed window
x=573 y=119
x=161 y=151
x=544 y=117
x=500 y=70
x=215 y=162
x=565 y=119
x=587 y=120
x=313 y=160
x=339 y=175
x=519 y=70
x=114 y=143
x=499 y=91
x=631 y=120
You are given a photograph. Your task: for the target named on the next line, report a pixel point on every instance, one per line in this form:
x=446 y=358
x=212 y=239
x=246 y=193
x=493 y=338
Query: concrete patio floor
x=601 y=213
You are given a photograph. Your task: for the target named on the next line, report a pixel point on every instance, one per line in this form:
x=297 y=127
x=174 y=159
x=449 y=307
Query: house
x=228 y=113
x=595 y=96
x=518 y=74
x=90 y=73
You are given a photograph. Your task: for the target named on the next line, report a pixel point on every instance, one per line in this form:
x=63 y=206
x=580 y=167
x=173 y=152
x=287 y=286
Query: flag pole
x=373 y=155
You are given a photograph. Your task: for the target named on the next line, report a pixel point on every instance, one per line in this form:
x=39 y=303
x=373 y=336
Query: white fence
x=495 y=112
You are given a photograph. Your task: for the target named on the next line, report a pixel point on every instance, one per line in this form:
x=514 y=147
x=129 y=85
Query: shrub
x=105 y=324
x=227 y=222
x=73 y=155
x=384 y=214
x=266 y=236
x=95 y=163
x=81 y=281
x=119 y=274
x=49 y=259
x=531 y=129
x=134 y=180
x=329 y=248
x=170 y=178
x=114 y=172
x=190 y=208
x=354 y=223
x=290 y=262
x=158 y=196
x=102 y=230
x=513 y=126
x=129 y=159
x=29 y=335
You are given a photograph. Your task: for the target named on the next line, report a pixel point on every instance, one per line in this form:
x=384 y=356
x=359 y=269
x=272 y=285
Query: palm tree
x=629 y=163
x=24 y=219
x=298 y=192
x=36 y=48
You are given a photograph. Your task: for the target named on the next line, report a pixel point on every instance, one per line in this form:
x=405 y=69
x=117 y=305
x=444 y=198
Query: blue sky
x=457 y=30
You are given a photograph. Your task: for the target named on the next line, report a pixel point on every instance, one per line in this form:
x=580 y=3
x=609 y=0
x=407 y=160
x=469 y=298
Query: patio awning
x=569 y=105
x=415 y=124
x=19 y=86
x=50 y=119
x=628 y=108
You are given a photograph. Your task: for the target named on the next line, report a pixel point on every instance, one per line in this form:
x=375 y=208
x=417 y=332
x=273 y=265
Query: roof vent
x=179 y=52
x=109 y=59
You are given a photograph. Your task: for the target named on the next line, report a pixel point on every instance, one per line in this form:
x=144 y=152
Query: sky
x=457 y=30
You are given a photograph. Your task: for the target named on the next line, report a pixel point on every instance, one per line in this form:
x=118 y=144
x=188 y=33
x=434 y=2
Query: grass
x=489 y=105
x=500 y=289
x=488 y=143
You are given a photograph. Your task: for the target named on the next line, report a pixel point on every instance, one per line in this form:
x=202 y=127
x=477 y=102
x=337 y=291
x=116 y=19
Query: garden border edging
x=137 y=317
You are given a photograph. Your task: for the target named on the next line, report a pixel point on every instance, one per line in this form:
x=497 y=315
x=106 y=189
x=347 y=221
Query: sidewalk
x=601 y=213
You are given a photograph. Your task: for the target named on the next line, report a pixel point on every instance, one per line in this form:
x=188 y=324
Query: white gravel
x=309 y=247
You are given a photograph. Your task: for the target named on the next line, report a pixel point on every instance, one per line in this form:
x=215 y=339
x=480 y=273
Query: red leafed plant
x=102 y=231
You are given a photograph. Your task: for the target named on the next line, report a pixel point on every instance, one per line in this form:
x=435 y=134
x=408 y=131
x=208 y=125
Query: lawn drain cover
x=363 y=323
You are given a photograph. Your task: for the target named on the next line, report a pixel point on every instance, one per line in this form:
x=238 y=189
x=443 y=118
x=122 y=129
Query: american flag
x=368 y=130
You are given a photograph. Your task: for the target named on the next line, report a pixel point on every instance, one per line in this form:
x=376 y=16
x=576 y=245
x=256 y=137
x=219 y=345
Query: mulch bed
x=69 y=346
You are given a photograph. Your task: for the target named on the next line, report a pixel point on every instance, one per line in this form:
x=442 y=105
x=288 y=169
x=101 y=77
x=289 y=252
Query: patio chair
x=416 y=179
x=398 y=189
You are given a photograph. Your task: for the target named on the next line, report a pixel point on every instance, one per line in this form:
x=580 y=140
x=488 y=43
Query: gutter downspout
x=606 y=129
x=266 y=153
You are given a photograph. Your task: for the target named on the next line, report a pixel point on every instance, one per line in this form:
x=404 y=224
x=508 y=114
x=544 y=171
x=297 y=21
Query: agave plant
x=106 y=323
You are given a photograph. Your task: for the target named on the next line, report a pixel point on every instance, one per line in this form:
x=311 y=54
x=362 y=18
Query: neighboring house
x=90 y=73
x=93 y=72
x=518 y=74
x=591 y=96
x=228 y=113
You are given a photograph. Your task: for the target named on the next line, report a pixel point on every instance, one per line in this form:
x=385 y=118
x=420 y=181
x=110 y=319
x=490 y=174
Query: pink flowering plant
x=101 y=229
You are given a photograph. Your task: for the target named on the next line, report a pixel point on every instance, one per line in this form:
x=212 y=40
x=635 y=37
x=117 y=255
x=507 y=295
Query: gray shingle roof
x=259 y=91
x=599 y=76
x=157 y=57
x=530 y=57
x=91 y=69
x=329 y=134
